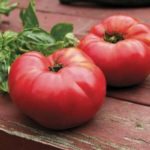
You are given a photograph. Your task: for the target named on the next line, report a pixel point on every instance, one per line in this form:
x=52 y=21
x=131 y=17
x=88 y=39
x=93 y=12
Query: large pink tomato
x=61 y=91
x=120 y=46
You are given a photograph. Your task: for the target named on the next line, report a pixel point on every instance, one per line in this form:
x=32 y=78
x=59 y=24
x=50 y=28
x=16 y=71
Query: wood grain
x=47 y=20
x=138 y=94
x=118 y=125
x=8 y=142
x=88 y=11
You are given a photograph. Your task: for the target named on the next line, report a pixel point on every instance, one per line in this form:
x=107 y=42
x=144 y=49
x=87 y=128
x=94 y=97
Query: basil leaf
x=5 y=8
x=7 y=56
x=59 y=31
x=39 y=40
x=1 y=41
x=70 y=40
x=9 y=37
x=28 y=16
x=34 y=39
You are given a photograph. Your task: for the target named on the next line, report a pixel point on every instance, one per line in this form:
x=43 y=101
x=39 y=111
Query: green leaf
x=7 y=56
x=59 y=31
x=1 y=41
x=9 y=38
x=5 y=8
x=4 y=86
x=70 y=40
x=34 y=39
x=39 y=40
x=28 y=16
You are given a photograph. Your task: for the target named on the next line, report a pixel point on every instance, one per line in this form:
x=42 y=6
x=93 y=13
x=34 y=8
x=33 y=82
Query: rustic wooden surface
x=123 y=123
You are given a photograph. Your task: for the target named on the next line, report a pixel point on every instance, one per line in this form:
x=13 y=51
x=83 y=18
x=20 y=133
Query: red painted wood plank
x=138 y=94
x=8 y=142
x=81 y=25
x=118 y=125
x=89 y=11
x=92 y=11
x=47 y=20
x=12 y=22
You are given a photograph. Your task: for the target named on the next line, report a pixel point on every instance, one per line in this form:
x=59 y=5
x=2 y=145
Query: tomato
x=60 y=91
x=120 y=46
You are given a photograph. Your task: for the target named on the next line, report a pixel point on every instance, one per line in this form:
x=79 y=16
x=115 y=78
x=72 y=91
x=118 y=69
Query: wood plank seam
x=127 y=100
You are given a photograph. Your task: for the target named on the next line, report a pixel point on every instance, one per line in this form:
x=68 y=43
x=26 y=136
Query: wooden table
x=123 y=123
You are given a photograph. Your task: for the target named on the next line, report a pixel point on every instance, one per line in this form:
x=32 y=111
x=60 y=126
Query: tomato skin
x=57 y=100
x=126 y=62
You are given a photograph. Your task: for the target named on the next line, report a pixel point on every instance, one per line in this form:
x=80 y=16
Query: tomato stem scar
x=55 y=68
x=113 y=37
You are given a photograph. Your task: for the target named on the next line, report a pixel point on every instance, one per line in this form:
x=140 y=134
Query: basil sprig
x=32 y=37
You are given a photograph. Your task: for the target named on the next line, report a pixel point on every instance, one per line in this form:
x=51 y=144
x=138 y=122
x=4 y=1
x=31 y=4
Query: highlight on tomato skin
x=63 y=90
x=120 y=46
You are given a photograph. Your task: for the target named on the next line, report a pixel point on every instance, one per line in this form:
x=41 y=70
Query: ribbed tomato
x=120 y=46
x=60 y=91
